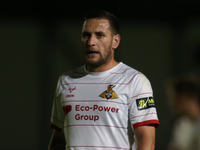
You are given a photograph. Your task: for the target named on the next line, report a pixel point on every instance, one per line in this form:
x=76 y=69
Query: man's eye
x=85 y=35
x=100 y=35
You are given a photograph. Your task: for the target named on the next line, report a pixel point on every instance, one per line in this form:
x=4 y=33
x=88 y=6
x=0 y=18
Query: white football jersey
x=94 y=110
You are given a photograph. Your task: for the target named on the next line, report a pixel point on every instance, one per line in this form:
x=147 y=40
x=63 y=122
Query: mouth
x=92 y=53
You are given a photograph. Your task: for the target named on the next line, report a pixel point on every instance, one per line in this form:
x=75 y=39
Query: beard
x=102 y=60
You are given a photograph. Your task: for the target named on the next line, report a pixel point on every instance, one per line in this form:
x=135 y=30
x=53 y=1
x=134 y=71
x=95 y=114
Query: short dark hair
x=102 y=14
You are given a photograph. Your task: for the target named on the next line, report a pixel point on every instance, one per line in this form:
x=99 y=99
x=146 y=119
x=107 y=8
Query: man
x=95 y=104
x=184 y=98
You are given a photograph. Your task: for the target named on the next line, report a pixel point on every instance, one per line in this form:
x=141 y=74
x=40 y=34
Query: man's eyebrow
x=85 y=33
x=100 y=31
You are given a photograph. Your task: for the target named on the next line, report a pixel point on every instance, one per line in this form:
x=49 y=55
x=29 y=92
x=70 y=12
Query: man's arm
x=145 y=136
x=57 y=141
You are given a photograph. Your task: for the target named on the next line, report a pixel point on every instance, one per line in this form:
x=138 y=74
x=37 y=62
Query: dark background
x=39 y=40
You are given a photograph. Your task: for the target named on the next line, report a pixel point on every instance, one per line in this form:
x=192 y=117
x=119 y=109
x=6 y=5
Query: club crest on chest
x=109 y=93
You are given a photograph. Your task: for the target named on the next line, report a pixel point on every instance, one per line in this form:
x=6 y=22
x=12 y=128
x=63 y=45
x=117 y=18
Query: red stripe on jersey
x=120 y=72
x=148 y=122
x=96 y=125
x=142 y=115
x=141 y=94
x=101 y=147
x=55 y=127
x=107 y=101
x=106 y=83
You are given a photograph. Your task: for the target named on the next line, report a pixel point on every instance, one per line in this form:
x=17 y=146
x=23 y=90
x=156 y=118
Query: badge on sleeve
x=145 y=103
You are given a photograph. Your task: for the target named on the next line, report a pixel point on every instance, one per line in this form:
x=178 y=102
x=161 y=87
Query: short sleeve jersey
x=94 y=110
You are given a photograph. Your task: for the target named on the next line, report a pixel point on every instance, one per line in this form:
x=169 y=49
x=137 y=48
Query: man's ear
x=116 y=41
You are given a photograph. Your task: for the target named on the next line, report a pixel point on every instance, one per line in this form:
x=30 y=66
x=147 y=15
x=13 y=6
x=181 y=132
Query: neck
x=103 y=67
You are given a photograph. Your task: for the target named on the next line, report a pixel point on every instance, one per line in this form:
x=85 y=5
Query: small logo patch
x=145 y=103
x=70 y=95
x=71 y=89
x=109 y=93
x=67 y=109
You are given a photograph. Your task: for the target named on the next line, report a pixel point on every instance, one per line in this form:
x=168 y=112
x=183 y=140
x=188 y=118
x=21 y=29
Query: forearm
x=146 y=144
x=145 y=136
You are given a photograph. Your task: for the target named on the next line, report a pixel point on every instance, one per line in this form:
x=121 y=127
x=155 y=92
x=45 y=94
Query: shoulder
x=75 y=73
x=71 y=74
x=125 y=70
x=131 y=73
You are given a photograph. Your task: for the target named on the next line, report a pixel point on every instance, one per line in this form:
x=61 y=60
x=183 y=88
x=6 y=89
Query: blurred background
x=39 y=40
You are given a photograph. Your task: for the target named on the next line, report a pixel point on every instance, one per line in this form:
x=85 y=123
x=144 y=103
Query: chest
x=95 y=102
x=111 y=92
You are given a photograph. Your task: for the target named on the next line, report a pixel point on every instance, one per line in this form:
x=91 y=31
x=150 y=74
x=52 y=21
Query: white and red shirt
x=94 y=110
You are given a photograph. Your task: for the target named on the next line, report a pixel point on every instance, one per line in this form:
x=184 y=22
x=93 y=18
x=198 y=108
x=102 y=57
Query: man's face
x=97 y=42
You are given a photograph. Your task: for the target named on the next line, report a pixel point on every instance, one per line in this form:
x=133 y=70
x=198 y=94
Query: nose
x=91 y=40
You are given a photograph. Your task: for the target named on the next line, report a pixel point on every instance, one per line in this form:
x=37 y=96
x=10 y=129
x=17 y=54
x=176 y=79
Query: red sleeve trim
x=55 y=127
x=148 y=122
